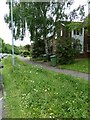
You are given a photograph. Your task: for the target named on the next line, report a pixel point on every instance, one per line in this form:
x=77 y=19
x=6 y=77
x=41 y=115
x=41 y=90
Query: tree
x=1 y=42
x=7 y=48
x=39 y=19
x=38 y=49
x=27 y=47
x=2 y=45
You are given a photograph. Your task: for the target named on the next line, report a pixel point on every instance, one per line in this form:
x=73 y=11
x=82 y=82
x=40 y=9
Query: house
x=75 y=30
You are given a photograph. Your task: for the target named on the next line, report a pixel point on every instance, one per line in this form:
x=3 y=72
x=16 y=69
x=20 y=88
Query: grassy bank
x=35 y=92
x=80 y=65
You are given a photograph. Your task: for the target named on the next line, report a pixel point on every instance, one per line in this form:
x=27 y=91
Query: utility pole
x=12 y=32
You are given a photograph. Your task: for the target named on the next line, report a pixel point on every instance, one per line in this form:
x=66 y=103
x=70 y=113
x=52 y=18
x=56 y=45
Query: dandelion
x=35 y=90
x=36 y=73
x=22 y=110
x=50 y=117
x=32 y=81
x=51 y=113
x=45 y=90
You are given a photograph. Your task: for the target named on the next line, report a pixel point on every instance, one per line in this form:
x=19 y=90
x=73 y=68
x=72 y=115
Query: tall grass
x=33 y=92
x=80 y=65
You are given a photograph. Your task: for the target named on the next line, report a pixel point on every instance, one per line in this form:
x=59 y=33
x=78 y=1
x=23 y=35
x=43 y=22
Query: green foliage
x=80 y=65
x=67 y=49
x=38 y=49
x=7 y=48
x=79 y=25
x=86 y=23
x=39 y=18
x=16 y=50
x=4 y=48
x=33 y=92
x=27 y=47
x=75 y=25
x=26 y=53
x=1 y=42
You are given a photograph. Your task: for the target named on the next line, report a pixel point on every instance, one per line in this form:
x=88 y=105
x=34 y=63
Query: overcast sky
x=5 y=33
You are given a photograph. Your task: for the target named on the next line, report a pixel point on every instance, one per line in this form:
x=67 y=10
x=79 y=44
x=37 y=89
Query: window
x=81 y=31
x=61 y=33
x=77 y=32
x=56 y=36
x=74 y=32
x=88 y=47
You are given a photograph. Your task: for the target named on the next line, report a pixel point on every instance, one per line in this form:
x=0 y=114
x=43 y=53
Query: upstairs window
x=78 y=32
x=88 y=47
x=81 y=31
x=74 y=32
x=61 y=32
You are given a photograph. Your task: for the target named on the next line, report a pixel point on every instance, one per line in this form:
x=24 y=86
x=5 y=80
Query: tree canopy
x=7 y=48
x=40 y=18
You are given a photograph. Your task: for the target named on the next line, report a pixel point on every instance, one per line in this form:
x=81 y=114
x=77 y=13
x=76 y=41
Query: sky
x=5 y=32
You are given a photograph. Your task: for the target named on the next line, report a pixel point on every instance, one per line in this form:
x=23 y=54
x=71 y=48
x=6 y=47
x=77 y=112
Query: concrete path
x=68 y=72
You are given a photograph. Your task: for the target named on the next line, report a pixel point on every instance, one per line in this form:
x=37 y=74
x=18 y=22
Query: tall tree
x=40 y=18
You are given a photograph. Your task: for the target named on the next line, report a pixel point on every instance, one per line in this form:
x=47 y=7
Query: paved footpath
x=68 y=72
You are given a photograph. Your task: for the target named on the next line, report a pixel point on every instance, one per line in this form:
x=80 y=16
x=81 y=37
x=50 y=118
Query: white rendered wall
x=80 y=37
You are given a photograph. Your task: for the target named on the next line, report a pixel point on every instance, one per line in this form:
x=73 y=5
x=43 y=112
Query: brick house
x=80 y=34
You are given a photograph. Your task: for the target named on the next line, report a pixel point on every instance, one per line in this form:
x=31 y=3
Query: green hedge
x=67 y=50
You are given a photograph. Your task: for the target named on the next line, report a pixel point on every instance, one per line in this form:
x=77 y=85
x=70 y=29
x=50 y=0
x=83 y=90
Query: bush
x=26 y=53
x=67 y=50
x=16 y=50
x=38 y=49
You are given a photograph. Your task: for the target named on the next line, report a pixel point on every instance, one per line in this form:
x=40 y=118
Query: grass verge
x=33 y=92
x=80 y=65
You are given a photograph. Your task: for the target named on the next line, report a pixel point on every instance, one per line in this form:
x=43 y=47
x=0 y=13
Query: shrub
x=67 y=49
x=26 y=53
x=16 y=50
x=38 y=49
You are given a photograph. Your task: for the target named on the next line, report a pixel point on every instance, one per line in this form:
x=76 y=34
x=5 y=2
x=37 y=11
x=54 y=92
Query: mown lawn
x=33 y=92
x=80 y=65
